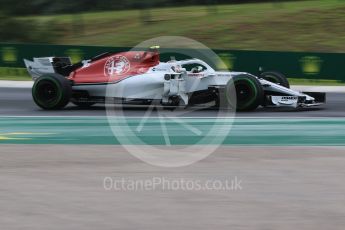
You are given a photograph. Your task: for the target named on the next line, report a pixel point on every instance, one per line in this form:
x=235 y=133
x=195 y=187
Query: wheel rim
x=47 y=93
x=245 y=93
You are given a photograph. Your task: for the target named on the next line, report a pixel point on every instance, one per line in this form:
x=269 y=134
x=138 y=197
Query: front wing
x=310 y=99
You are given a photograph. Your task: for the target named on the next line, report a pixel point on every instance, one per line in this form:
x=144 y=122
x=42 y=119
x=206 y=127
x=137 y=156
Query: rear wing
x=45 y=65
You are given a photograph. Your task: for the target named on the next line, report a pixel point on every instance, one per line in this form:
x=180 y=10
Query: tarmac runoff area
x=62 y=187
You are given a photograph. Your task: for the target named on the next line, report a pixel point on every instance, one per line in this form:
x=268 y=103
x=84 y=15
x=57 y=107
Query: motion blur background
x=234 y=24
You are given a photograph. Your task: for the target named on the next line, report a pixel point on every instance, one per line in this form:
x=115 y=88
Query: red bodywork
x=115 y=67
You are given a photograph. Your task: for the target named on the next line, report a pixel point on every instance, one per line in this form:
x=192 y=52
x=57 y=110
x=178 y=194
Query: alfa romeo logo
x=116 y=65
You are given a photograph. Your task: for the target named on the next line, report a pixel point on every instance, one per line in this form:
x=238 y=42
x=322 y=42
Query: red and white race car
x=138 y=77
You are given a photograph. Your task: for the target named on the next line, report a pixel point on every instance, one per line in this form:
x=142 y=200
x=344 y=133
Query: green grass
x=315 y=82
x=15 y=78
x=291 y=26
x=14 y=74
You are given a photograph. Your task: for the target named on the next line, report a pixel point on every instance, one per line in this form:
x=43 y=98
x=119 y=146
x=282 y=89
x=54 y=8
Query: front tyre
x=248 y=94
x=51 y=91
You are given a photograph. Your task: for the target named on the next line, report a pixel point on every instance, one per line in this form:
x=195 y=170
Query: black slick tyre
x=51 y=91
x=248 y=95
x=275 y=77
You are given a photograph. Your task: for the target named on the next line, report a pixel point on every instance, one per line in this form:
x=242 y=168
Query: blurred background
x=233 y=24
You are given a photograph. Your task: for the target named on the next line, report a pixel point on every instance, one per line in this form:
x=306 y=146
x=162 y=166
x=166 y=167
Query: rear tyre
x=51 y=91
x=248 y=95
x=275 y=77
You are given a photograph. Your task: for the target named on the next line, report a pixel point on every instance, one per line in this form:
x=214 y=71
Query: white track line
x=325 y=89
x=16 y=84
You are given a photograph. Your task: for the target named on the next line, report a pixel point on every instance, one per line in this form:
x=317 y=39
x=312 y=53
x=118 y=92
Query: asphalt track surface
x=18 y=102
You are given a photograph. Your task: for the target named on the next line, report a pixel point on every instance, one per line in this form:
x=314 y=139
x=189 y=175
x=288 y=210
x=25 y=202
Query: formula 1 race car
x=138 y=77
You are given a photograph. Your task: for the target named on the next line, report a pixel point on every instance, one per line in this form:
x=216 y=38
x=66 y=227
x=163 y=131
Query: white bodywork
x=39 y=66
x=154 y=84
